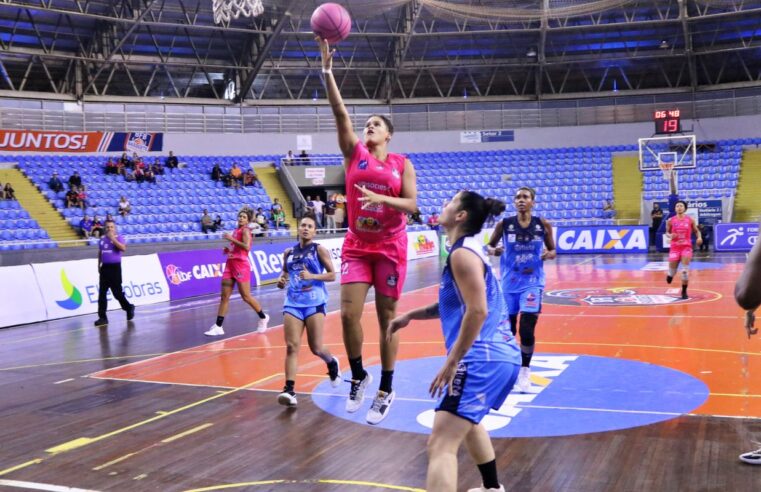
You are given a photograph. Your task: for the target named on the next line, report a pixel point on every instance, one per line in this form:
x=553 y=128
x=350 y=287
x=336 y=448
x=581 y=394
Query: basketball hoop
x=225 y=10
x=667 y=168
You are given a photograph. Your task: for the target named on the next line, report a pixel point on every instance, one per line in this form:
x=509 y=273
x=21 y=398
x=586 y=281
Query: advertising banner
x=192 y=273
x=484 y=136
x=422 y=244
x=70 y=288
x=706 y=212
x=267 y=261
x=483 y=238
x=334 y=245
x=53 y=141
x=20 y=298
x=602 y=239
x=735 y=237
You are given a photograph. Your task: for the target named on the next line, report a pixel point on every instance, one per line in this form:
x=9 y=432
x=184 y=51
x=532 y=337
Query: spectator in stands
x=9 y=192
x=172 y=162
x=261 y=219
x=304 y=158
x=250 y=179
x=255 y=229
x=319 y=207
x=124 y=206
x=207 y=224
x=126 y=162
x=156 y=167
x=705 y=232
x=97 y=227
x=216 y=172
x=309 y=206
x=330 y=213
x=111 y=166
x=340 y=210
x=75 y=180
x=236 y=173
x=85 y=226
x=275 y=207
x=279 y=218
x=129 y=176
x=608 y=209
x=433 y=221
x=82 y=197
x=149 y=175
x=71 y=198
x=55 y=183
x=218 y=223
x=139 y=174
x=288 y=159
x=109 y=218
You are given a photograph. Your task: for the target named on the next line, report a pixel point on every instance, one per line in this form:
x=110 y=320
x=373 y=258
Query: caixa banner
x=44 y=141
x=735 y=237
x=602 y=239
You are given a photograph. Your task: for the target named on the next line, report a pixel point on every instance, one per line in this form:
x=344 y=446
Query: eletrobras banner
x=20 y=296
x=45 y=141
x=70 y=288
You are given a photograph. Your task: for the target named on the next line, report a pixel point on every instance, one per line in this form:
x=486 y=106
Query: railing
x=186 y=118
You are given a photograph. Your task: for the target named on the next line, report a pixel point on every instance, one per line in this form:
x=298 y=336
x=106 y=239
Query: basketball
x=331 y=22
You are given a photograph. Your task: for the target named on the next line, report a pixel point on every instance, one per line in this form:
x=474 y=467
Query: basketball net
x=667 y=168
x=225 y=10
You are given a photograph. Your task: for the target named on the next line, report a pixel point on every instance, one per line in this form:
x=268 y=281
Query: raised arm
x=347 y=139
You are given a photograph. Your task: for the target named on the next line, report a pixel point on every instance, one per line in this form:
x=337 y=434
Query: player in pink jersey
x=679 y=230
x=381 y=189
x=238 y=270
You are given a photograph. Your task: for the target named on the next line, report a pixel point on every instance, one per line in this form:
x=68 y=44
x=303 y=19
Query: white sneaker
x=357 y=393
x=482 y=489
x=752 y=458
x=380 y=407
x=524 y=380
x=287 y=399
x=262 y=326
x=214 y=331
x=335 y=377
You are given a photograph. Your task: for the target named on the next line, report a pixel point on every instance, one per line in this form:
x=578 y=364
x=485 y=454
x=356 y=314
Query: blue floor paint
x=570 y=395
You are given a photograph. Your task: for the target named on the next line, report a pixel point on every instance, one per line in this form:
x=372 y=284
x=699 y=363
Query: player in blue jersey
x=306 y=268
x=526 y=242
x=483 y=358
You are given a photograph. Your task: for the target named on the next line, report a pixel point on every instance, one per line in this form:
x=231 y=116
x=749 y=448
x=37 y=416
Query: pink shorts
x=677 y=253
x=238 y=270
x=382 y=265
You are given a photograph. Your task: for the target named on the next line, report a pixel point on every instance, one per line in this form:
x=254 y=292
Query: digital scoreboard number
x=667 y=121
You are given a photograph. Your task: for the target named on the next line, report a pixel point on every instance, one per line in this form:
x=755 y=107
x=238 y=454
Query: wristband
x=327 y=70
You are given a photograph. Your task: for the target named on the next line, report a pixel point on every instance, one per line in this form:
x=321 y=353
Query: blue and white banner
x=735 y=237
x=484 y=136
x=602 y=239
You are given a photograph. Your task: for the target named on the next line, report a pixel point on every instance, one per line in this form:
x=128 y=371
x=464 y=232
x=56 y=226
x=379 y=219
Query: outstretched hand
x=326 y=53
x=395 y=325
x=369 y=197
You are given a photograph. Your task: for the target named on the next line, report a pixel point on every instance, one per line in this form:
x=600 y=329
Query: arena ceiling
x=432 y=50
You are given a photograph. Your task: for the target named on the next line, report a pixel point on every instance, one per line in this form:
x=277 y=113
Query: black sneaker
x=101 y=322
x=669 y=278
x=684 y=293
x=287 y=398
x=130 y=312
x=334 y=372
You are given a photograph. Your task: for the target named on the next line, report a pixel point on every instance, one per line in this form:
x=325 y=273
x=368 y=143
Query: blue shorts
x=479 y=387
x=528 y=301
x=303 y=313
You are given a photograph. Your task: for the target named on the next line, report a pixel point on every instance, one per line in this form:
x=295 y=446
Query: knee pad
x=527 y=327
x=685 y=276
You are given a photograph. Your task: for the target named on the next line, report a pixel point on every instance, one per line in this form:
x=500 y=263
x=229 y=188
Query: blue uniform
x=488 y=370
x=521 y=265
x=304 y=297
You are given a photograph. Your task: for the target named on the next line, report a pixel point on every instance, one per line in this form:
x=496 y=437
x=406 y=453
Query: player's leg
x=530 y=307
x=314 y=324
x=686 y=260
x=224 y=304
x=353 y=297
x=244 y=287
x=449 y=430
x=293 y=328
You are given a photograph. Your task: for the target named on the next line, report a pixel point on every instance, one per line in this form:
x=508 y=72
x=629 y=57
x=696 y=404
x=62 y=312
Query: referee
x=110 y=248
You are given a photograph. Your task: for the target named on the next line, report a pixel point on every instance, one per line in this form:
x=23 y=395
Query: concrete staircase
x=627 y=188
x=748 y=198
x=271 y=183
x=41 y=210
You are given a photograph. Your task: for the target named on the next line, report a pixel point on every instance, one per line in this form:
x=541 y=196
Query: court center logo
x=73 y=296
x=625 y=296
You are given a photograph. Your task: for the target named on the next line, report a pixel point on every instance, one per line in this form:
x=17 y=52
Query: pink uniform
x=237 y=267
x=375 y=248
x=681 y=238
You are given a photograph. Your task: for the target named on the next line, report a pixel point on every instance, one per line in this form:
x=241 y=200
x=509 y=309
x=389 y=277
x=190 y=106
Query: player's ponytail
x=479 y=210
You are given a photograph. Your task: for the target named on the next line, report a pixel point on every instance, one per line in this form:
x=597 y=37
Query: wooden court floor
x=634 y=390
